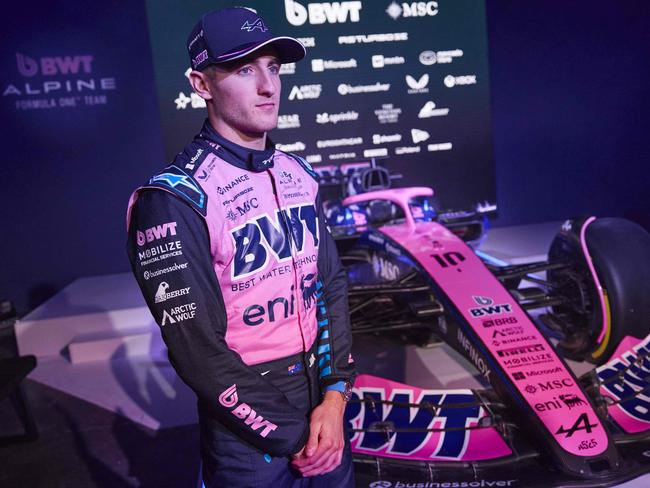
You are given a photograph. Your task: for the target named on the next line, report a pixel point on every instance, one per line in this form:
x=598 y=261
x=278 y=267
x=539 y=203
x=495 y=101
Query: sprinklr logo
x=57 y=82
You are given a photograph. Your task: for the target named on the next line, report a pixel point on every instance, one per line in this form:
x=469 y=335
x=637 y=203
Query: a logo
x=321 y=13
x=388 y=114
x=257 y=314
x=379 y=60
x=319 y=65
x=160 y=252
x=519 y=350
x=292 y=146
x=288 y=69
x=419 y=135
x=419 y=85
x=428 y=58
x=518 y=375
x=382 y=139
x=347 y=141
x=154 y=233
x=194 y=100
x=259 y=238
x=240 y=210
x=179 y=314
x=199 y=58
x=384 y=268
x=507 y=331
x=498 y=322
x=343 y=155
x=58 y=83
x=412 y=9
x=370 y=38
x=308 y=289
x=192 y=162
x=480 y=300
x=555 y=384
x=305 y=92
x=153 y=274
x=251 y=26
x=491 y=310
x=407 y=150
x=452 y=81
x=243 y=411
x=327 y=118
x=380 y=484
x=346 y=89
x=222 y=190
x=163 y=294
x=314 y=158
x=182 y=184
x=473 y=355
x=375 y=153
x=529 y=388
x=429 y=110
x=582 y=423
x=571 y=400
x=443 y=146
x=289 y=121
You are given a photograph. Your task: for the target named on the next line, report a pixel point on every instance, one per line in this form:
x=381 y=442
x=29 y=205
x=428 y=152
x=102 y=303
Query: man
x=231 y=250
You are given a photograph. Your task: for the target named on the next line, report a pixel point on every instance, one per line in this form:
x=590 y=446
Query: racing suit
x=233 y=256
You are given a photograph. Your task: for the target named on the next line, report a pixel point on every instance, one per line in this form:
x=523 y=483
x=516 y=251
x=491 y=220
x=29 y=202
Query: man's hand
x=324 y=448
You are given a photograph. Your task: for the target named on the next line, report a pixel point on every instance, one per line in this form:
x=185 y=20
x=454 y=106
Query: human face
x=246 y=94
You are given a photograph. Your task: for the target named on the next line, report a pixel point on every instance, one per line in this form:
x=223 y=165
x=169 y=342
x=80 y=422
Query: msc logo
x=243 y=411
x=320 y=13
x=412 y=9
x=262 y=236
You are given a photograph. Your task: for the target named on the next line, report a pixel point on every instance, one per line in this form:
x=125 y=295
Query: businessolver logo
x=319 y=13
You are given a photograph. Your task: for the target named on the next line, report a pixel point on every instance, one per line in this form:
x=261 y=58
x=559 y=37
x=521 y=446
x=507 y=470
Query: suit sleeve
x=334 y=335
x=169 y=249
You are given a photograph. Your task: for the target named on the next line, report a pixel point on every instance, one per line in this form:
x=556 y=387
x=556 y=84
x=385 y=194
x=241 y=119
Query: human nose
x=266 y=84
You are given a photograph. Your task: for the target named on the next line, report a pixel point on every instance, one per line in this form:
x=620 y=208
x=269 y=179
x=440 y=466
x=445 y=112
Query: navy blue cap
x=232 y=33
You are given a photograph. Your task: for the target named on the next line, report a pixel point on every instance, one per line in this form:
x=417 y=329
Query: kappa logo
x=321 y=13
x=245 y=412
x=262 y=237
x=251 y=26
x=417 y=86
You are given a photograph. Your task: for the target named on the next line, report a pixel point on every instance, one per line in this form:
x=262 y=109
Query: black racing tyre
x=620 y=252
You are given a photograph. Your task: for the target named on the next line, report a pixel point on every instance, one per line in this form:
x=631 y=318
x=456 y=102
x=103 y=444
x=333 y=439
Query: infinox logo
x=156 y=232
x=322 y=12
x=259 y=238
x=243 y=411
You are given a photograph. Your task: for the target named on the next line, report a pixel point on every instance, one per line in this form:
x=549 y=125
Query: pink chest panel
x=264 y=242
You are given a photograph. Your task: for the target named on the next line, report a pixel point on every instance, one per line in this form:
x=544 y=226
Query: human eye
x=274 y=68
x=245 y=70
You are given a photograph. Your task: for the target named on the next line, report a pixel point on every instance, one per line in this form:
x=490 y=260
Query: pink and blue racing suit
x=233 y=256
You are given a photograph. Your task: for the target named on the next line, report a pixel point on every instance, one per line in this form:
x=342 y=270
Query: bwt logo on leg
x=258 y=239
x=319 y=13
x=55 y=65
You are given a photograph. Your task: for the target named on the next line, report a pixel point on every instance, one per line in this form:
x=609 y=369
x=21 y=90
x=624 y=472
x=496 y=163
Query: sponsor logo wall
x=415 y=71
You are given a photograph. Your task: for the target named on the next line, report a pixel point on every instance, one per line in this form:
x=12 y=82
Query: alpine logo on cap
x=258 y=24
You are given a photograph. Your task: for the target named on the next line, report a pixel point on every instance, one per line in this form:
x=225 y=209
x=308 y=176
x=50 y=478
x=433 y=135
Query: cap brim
x=289 y=50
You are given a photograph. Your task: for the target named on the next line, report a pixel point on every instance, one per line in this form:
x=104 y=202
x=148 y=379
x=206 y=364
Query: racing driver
x=230 y=248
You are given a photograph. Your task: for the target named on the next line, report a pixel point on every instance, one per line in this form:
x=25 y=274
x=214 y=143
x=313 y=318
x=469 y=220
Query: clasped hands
x=324 y=449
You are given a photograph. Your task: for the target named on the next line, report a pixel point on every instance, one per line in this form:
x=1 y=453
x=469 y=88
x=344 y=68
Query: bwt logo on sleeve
x=320 y=13
x=156 y=232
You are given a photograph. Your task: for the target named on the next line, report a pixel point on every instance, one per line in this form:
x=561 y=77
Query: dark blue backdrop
x=570 y=105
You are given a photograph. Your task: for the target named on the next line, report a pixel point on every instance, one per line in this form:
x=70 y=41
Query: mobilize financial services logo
x=318 y=13
x=57 y=82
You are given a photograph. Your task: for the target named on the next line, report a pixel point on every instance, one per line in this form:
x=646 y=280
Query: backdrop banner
x=403 y=81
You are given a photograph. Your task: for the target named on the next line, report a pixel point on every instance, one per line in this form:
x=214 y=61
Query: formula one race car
x=413 y=271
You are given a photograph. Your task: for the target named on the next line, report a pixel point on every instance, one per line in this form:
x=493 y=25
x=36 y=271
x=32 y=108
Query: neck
x=251 y=141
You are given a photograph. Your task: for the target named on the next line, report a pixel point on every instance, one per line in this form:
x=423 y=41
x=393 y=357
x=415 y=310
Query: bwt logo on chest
x=263 y=236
